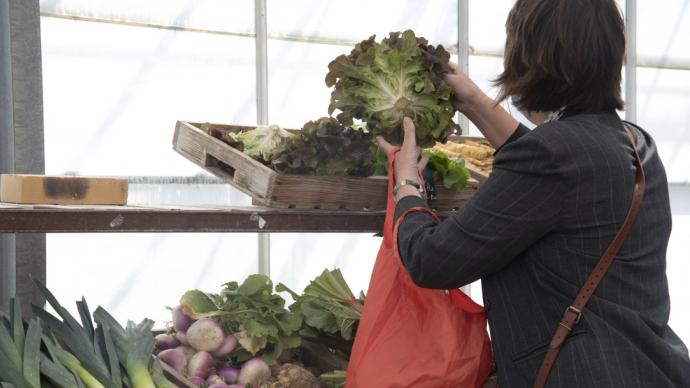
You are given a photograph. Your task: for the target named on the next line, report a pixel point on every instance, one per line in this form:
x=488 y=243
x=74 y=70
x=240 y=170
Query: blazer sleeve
x=518 y=204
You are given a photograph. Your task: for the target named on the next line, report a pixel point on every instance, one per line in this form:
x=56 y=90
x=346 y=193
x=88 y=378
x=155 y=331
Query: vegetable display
x=65 y=352
x=241 y=337
x=245 y=335
x=379 y=83
x=477 y=154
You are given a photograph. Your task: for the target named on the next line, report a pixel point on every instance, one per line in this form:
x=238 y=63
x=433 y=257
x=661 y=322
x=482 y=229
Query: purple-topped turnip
x=200 y=364
x=166 y=341
x=181 y=321
x=254 y=371
x=181 y=337
x=229 y=373
x=187 y=351
x=176 y=358
x=214 y=379
x=205 y=335
x=229 y=344
x=196 y=380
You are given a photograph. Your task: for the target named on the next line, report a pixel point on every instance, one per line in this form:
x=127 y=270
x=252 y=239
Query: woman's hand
x=406 y=164
x=493 y=121
x=466 y=93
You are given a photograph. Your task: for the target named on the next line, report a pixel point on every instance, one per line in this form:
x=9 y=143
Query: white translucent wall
x=114 y=91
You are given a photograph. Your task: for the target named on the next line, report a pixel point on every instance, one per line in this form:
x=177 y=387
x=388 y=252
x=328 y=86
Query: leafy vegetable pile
x=328 y=306
x=380 y=83
x=264 y=141
x=252 y=312
x=76 y=354
x=245 y=335
x=326 y=147
x=452 y=173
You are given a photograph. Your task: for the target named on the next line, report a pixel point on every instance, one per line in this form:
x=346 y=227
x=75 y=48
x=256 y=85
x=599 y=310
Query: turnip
x=254 y=371
x=228 y=373
x=181 y=337
x=196 y=380
x=166 y=341
x=228 y=345
x=187 y=351
x=200 y=364
x=176 y=358
x=181 y=321
x=214 y=379
x=205 y=335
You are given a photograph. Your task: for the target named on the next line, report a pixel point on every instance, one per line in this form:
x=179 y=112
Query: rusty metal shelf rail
x=145 y=219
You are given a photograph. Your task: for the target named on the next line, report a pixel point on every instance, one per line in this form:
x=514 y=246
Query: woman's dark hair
x=563 y=54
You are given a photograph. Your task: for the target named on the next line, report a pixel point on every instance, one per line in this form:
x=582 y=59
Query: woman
x=556 y=198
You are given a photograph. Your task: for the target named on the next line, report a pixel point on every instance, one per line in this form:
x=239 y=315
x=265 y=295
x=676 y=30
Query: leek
x=72 y=363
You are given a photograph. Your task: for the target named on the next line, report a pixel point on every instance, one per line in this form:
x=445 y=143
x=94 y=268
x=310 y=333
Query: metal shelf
x=142 y=219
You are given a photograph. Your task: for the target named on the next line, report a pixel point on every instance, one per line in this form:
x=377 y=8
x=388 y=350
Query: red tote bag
x=415 y=337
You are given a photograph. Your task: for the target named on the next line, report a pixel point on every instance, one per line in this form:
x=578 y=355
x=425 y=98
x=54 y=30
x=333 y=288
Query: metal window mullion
x=8 y=286
x=261 y=31
x=631 y=60
x=464 y=64
x=464 y=50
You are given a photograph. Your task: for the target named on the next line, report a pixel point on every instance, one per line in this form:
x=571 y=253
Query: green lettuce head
x=380 y=83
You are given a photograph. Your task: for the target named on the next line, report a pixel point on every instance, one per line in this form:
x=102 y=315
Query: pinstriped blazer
x=534 y=232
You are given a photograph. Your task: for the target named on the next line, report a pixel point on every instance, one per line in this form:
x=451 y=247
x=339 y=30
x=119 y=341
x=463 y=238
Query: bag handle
x=573 y=313
x=390 y=203
x=390 y=237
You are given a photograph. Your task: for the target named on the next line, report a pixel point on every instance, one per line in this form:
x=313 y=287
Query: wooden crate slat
x=249 y=176
x=329 y=192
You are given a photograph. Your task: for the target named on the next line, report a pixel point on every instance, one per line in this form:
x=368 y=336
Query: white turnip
x=228 y=373
x=200 y=364
x=205 y=335
x=254 y=372
x=228 y=345
x=181 y=321
x=176 y=358
x=166 y=341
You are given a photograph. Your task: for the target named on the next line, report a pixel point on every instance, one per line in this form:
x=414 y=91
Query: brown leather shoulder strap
x=573 y=313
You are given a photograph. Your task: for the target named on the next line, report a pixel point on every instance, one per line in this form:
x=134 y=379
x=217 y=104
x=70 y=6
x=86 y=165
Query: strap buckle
x=571 y=309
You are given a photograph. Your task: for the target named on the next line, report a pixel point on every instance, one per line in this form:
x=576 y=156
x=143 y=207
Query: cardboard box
x=62 y=190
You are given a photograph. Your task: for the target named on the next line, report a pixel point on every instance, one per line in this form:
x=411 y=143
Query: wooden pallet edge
x=250 y=176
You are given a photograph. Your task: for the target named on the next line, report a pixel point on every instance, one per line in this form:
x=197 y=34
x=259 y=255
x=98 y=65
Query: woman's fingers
x=385 y=146
x=410 y=139
x=422 y=163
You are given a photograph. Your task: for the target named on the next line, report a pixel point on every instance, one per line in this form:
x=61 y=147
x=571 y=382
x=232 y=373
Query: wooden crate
x=270 y=188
